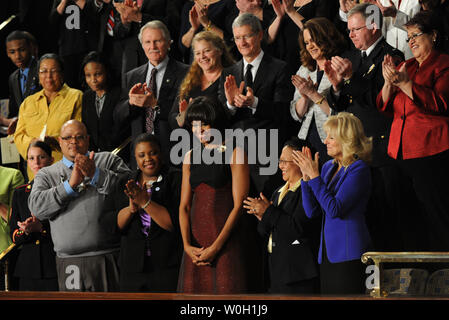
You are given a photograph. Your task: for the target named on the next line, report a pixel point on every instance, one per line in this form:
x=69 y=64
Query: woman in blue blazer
x=340 y=195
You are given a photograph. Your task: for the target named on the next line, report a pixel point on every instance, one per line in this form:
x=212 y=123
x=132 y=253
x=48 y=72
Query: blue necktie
x=23 y=79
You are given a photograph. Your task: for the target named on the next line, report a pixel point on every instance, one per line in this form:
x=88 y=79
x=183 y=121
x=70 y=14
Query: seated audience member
x=35 y=267
x=42 y=114
x=9 y=180
x=210 y=57
x=24 y=81
x=99 y=102
x=416 y=93
x=195 y=17
x=151 y=246
x=73 y=195
x=151 y=89
x=340 y=196
x=290 y=235
x=319 y=42
x=77 y=23
x=221 y=254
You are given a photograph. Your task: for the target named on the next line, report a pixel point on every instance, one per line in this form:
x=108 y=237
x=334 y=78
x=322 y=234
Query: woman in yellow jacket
x=42 y=114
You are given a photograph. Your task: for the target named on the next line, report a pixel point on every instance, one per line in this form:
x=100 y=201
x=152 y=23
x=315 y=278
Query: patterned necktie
x=249 y=76
x=363 y=57
x=149 y=111
x=111 y=23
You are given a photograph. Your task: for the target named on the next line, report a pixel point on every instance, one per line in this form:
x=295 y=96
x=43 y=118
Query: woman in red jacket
x=417 y=95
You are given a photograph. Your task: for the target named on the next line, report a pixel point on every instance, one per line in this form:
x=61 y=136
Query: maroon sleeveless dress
x=211 y=205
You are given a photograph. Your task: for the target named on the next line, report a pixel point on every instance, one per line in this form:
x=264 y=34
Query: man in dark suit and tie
x=24 y=81
x=257 y=91
x=152 y=88
x=357 y=79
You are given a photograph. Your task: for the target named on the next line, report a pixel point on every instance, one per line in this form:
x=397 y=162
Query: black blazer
x=273 y=88
x=359 y=94
x=104 y=133
x=15 y=92
x=165 y=247
x=174 y=74
x=36 y=258
x=294 y=239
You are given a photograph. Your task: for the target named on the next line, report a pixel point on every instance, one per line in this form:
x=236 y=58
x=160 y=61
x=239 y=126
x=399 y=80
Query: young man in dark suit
x=24 y=81
x=151 y=88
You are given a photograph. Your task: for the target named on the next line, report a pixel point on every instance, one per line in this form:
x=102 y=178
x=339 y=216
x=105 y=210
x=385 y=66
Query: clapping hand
x=257 y=206
x=31 y=224
x=138 y=194
x=305 y=87
x=231 y=89
x=141 y=96
x=309 y=166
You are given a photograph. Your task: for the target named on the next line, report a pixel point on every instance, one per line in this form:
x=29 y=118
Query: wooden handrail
x=5 y=23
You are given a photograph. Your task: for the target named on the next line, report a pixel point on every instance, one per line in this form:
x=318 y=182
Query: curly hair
x=348 y=130
x=193 y=76
x=326 y=36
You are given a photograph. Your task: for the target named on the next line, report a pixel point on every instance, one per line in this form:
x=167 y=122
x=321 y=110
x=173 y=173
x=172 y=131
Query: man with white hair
x=152 y=88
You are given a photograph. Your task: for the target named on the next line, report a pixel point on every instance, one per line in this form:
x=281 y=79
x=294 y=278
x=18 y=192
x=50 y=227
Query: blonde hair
x=349 y=132
x=193 y=77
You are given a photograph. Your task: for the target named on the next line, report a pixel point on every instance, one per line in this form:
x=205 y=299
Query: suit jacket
x=420 y=126
x=15 y=92
x=342 y=203
x=165 y=246
x=174 y=74
x=274 y=90
x=358 y=96
x=36 y=258
x=293 y=255
x=104 y=134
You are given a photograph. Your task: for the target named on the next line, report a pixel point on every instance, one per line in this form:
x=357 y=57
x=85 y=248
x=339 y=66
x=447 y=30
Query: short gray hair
x=247 y=19
x=367 y=10
x=156 y=24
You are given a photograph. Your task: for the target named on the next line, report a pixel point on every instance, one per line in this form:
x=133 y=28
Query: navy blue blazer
x=344 y=205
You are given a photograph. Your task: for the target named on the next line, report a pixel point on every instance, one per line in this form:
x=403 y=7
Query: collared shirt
x=371 y=48
x=99 y=103
x=256 y=64
x=68 y=188
x=161 y=68
x=35 y=113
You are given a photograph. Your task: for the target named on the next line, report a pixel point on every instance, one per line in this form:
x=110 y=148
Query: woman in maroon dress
x=216 y=240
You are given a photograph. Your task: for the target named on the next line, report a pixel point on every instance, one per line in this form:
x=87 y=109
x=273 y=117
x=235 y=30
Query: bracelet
x=146 y=204
x=208 y=25
x=320 y=101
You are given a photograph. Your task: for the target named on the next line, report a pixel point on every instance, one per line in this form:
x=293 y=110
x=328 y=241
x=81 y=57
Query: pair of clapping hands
x=234 y=94
x=83 y=167
x=129 y=11
x=31 y=224
x=391 y=75
x=141 y=96
x=137 y=194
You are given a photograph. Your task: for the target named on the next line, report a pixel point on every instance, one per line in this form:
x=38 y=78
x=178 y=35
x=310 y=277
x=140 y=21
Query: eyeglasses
x=284 y=161
x=52 y=71
x=246 y=37
x=413 y=36
x=77 y=138
x=355 y=29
